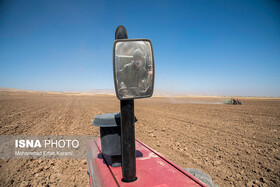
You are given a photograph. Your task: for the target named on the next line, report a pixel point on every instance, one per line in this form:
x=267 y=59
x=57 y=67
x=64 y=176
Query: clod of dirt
x=217 y=162
x=263 y=180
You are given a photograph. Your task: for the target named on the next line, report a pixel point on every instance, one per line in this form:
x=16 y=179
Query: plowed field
x=236 y=145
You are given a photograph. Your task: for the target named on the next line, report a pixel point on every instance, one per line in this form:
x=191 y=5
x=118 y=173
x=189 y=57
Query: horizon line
x=158 y=92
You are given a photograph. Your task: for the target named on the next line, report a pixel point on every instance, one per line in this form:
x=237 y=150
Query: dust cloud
x=174 y=100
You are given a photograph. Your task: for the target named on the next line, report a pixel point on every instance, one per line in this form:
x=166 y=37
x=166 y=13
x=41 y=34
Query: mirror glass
x=134 y=69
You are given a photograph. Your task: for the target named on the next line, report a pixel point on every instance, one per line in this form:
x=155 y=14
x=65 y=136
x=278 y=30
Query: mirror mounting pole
x=127 y=129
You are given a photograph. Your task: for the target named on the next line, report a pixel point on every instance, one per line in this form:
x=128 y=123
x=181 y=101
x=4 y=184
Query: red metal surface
x=151 y=170
x=99 y=172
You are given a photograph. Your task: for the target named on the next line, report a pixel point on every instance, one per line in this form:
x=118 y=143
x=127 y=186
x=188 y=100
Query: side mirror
x=134 y=72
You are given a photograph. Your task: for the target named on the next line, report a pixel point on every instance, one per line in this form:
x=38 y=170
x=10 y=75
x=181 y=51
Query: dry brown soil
x=236 y=145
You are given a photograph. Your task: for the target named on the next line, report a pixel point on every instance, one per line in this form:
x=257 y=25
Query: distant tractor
x=233 y=101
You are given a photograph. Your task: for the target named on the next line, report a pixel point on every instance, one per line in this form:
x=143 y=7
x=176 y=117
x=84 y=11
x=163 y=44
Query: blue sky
x=200 y=47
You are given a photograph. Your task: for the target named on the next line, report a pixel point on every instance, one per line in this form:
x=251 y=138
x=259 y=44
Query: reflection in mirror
x=134 y=69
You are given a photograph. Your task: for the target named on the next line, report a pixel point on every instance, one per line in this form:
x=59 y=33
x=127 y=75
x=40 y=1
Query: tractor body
x=152 y=169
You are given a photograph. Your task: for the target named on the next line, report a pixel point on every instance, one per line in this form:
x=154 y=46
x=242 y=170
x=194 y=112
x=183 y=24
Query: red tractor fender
x=152 y=169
